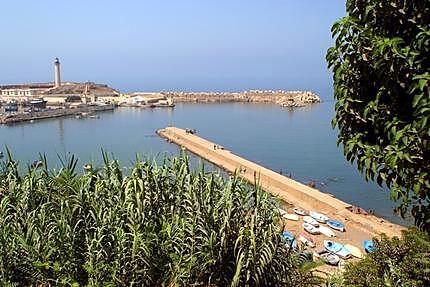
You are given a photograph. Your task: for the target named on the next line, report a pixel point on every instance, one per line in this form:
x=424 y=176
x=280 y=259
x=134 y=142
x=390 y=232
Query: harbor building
x=24 y=90
x=58 y=92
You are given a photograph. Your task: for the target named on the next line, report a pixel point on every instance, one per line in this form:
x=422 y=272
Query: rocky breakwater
x=52 y=113
x=282 y=98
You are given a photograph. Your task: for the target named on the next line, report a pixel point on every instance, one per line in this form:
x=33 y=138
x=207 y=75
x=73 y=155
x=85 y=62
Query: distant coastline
x=74 y=94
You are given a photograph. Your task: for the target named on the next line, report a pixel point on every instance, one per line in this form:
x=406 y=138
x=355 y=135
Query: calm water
x=299 y=142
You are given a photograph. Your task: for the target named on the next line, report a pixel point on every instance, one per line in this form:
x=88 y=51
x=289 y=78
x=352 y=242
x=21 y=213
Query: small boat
x=327 y=257
x=300 y=211
x=337 y=248
x=326 y=231
x=12 y=106
x=307 y=239
x=291 y=216
x=310 y=220
x=1 y=155
x=337 y=225
x=319 y=217
x=281 y=211
x=355 y=251
x=290 y=238
x=368 y=246
x=310 y=228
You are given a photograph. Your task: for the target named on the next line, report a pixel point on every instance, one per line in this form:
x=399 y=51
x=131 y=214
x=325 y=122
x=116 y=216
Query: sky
x=153 y=45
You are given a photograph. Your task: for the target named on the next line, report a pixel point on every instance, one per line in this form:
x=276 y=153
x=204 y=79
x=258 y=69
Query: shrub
x=395 y=262
x=161 y=225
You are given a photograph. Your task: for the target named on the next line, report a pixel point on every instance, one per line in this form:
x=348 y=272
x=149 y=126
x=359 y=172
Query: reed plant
x=160 y=225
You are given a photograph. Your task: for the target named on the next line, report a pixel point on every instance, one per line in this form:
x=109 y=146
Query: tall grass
x=161 y=225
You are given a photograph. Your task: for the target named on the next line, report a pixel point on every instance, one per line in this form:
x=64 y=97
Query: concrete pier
x=291 y=192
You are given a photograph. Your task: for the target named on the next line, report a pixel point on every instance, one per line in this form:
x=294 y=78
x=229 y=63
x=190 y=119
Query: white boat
x=310 y=228
x=328 y=257
x=291 y=216
x=300 y=211
x=326 y=231
x=281 y=211
x=307 y=239
x=310 y=220
x=355 y=251
x=319 y=216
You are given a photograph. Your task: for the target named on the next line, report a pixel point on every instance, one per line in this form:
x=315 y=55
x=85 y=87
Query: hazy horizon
x=166 y=45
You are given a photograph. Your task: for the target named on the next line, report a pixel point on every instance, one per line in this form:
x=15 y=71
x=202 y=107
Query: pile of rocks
x=282 y=98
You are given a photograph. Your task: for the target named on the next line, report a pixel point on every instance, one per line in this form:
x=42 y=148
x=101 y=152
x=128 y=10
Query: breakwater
x=54 y=113
x=359 y=226
x=282 y=98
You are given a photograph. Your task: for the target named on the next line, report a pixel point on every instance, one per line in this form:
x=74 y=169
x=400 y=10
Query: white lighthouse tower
x=57 y=73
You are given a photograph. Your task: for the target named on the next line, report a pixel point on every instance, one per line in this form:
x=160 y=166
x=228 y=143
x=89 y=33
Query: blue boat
x=336 y=225
x=368 y=246
x=291 y=240
x=337 y=248
x=11 y=107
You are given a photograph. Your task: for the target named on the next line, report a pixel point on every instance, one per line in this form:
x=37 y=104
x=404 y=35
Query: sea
x=298 y=142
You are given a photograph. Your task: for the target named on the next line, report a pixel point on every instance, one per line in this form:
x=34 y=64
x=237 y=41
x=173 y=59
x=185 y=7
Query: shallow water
x=298 y=142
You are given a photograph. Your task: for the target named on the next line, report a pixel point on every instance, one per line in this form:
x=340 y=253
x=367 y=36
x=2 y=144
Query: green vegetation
x=396 y=262
x=159 y=226
x=381 y=68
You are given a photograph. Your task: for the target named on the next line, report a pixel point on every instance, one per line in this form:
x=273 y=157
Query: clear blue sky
x=162 y=45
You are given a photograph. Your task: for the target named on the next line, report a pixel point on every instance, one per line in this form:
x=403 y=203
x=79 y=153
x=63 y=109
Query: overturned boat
x=337 y=248
x=337 y=225
x=319 y=216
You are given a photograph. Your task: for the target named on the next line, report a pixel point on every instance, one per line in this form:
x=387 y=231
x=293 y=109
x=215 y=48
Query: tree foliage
x=158 y=226
x=381 y=68
x=395 y=262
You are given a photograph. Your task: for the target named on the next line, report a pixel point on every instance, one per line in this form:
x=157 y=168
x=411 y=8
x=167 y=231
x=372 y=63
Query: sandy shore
x=294 y=194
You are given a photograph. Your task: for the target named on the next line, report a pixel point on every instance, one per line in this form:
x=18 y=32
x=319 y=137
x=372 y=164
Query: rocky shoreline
x=282 y=98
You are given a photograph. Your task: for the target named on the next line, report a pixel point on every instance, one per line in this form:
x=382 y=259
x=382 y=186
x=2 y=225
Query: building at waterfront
x=24 y=90
x=58 y=92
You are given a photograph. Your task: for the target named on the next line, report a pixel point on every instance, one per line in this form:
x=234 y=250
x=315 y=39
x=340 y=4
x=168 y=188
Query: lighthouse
x=57 y=73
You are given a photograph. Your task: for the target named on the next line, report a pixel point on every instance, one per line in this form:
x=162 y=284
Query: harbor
x=359 y=224
x=12 y=118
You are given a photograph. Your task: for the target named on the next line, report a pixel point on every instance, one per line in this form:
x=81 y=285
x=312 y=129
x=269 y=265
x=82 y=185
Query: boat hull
x=326 y=231
x=310 y=229
x=336 y=225
x=310 y=220
x=300 y=211
x=319 y=217
x=337 y=248
x=290 y=238
x=368 y=246
x=355 y=251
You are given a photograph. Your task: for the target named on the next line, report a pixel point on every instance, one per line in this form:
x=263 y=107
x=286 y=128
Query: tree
x=381 y=68
x=395 y=262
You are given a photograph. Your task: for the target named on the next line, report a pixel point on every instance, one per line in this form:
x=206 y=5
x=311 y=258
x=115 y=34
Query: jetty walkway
x=294 y=194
